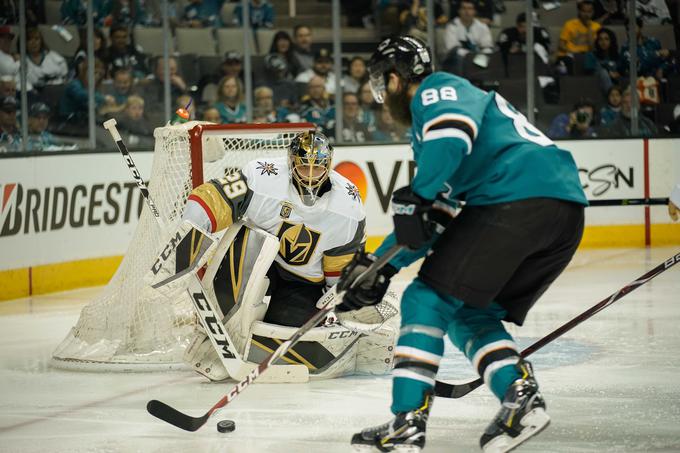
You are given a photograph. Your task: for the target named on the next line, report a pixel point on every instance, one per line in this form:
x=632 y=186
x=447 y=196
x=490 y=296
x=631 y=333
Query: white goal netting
x=126 y=329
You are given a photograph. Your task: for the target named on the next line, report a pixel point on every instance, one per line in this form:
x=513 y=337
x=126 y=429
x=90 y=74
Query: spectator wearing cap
x=202 y=13
x=302 y=47
x=43 y=66
x=9 y=62
x=230 y=101
x=232 y=66
x=282 y=44
x=316 y=106
x=39 y=139
x=277 y=77
x=261 y=14
x=356 y=75
x=10 y=136
x=124 y=54
x=323 y=63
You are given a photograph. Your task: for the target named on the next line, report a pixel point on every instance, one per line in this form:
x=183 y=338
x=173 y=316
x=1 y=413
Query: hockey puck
x=226 y=426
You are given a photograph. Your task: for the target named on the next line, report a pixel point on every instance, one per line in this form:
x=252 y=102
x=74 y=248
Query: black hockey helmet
x=404 y=55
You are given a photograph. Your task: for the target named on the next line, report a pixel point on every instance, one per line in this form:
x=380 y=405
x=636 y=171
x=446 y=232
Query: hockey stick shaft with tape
x=629 y=202
x=188 y=423
x=448 y=390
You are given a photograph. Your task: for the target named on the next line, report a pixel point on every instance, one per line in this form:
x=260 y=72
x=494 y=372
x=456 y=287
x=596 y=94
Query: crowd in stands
x=583 y=67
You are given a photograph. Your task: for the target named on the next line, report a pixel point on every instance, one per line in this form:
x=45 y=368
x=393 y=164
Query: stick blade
x=446 y=390
x=171 y=415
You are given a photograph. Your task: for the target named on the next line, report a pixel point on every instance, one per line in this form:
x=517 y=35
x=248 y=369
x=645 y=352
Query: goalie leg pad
x=203 y=358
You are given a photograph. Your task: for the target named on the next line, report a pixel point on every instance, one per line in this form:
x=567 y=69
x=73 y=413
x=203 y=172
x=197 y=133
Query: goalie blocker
x=234 y=286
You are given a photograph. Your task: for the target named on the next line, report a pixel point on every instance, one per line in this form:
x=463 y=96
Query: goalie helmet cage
x=129 y=327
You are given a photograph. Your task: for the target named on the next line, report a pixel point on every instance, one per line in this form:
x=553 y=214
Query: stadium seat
x=264 y=40
x=664 y=33
x=494 y=71
x=232 y=39
x=151 y=40
x=55 y=42
x=227 y=13
x=198 y=41
x=573 y=88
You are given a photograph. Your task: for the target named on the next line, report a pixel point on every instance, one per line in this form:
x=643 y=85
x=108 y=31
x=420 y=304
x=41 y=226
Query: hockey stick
x=212 y=323
x=448 y=390
x=629 y=202
x=188 y=423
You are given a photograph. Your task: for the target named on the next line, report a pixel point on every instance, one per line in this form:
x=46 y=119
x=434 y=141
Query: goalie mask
x=406 y=56
x=309 y=156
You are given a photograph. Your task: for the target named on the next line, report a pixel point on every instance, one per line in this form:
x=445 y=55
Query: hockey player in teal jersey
x=521 y=223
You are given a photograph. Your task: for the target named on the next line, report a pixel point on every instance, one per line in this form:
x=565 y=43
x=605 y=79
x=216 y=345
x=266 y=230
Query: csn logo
x=605 y=177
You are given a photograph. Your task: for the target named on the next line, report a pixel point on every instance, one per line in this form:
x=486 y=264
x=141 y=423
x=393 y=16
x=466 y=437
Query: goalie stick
x=448 y=390
x=188 y=423
x=629 y=202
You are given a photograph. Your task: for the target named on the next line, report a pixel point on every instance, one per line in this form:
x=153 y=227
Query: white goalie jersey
x=316 y=242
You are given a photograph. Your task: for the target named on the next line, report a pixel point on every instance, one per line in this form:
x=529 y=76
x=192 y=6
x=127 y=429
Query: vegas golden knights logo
x=298 y=243
x=286 y=209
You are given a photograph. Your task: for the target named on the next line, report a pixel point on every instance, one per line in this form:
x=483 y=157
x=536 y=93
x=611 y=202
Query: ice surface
x=611 y=385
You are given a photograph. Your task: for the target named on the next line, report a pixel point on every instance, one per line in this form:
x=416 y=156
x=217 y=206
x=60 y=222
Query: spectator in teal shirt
x=261 y=14
x=230 y=101
x=652 y=59
x=74 y=12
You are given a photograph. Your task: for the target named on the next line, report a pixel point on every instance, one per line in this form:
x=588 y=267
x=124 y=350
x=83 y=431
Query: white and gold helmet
x=310 y=155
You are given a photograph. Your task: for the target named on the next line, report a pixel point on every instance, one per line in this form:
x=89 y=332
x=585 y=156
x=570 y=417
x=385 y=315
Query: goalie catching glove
x=369 y=291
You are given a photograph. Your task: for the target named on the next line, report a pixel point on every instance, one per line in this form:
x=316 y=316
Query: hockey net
x=126 y=329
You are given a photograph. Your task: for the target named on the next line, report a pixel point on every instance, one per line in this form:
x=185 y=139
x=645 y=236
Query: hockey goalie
x=257 y=249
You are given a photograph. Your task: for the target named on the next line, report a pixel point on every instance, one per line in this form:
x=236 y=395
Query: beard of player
x=399 y=104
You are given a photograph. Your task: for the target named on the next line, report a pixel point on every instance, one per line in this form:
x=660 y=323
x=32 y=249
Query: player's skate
x=404 y=433
x=521 y=417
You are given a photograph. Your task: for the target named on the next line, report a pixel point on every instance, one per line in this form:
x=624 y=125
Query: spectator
x=607 y=11
x=485 y=9
x=133 y=122
x=323 y=63
x=577 y=35
x=8 y=86
x=610 y=112
x=302 y=47
x=652 y=12
x=100 y=49
x=353 y=130
x=576 y=124
x=74 y=12
x=121 y=88
x=465 y=34
x=73 y=105
x=43 y=66
x=674 y=126
x=124 y=54
x=230 y=101
x=39 y=139
x=261 y=14
x=653 y=61
x=357 y=75
x=603 y=61
x=316 y=106
x=368 y=106
x=282 y=44
x=232 y=66
x=513 y=40
x=10 y=136
x=126 y=13
x=153 y=89
x=388 y=130
x=9 y=61
x=264 y=100
x=202 y=13
x=212 y=115
x=277 y=78
x=621 y=126
x=414 y=19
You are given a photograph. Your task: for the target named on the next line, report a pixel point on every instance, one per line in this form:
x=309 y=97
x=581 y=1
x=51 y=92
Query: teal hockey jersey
x=472 y=145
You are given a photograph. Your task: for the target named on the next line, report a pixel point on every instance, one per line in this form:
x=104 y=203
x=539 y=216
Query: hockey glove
x=412 y=226
x=369 y=291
